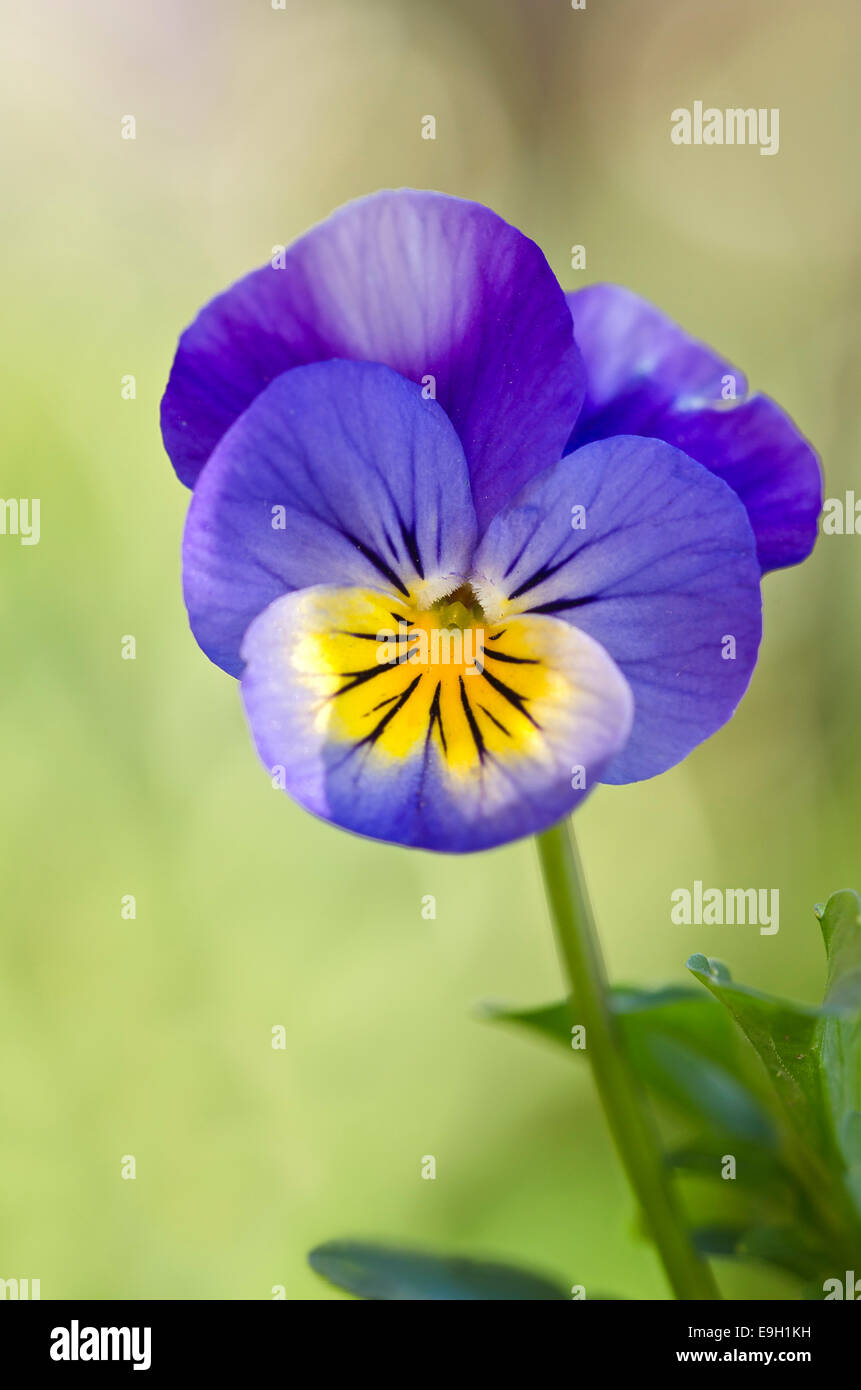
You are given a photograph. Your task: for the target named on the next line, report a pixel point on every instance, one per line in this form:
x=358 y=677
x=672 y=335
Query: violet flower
x=470 y=546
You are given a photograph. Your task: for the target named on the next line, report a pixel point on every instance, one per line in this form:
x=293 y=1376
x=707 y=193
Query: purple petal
x=646 y=376
x=663 y=574
x=638 y=364
x=430 y=285
x=339 y=472
x=431 y=755
x=757 y=450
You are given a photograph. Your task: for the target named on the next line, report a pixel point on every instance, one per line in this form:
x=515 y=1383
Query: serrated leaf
x=382 y=1272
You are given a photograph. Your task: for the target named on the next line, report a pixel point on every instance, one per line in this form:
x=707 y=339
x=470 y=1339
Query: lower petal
x=455 y=749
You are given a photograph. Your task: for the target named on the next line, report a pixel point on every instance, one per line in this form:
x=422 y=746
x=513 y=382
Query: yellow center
x=394 y=677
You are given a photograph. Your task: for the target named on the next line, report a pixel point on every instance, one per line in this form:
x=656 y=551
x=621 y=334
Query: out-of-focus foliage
x=789 y=1152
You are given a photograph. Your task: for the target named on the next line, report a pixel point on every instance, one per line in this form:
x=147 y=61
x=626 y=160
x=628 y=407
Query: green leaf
x=785 y=1036
x=812 y=1054
x=788 y=1248
x=813 y=1058
x=681 y=1044
x=840 y=1032
x=551 y=1021
x=700 y=1088
x=840 y=923
x=757 y=1170
x=384 y=1272
x=717 y=1241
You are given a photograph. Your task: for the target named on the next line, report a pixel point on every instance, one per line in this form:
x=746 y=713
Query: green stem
x=624 y=1104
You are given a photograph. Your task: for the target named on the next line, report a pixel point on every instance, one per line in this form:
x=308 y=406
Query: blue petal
x=662 y=572
x=757 y=450
x=638 y=364
x=646 y=376
x=339 y=472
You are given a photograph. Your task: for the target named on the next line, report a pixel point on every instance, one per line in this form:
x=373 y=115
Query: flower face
x=471 y=547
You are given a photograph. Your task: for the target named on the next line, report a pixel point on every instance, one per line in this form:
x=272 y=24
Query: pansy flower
x=470 y=546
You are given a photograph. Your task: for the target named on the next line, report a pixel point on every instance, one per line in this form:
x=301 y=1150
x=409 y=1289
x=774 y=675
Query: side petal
x=443 y=755
x=639 y=364
x=338 y=472
x=654 y=557
x=646 y=376
x=432 y=286
x=758 y=451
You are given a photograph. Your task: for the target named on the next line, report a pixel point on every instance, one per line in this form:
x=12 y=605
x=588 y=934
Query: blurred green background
x=152 y=1037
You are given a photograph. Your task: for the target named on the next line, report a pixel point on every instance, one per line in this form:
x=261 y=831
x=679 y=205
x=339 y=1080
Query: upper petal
x=443 y=754
x=662 y=572
x=430 y=285
x=339 y=472
x=647 y=376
